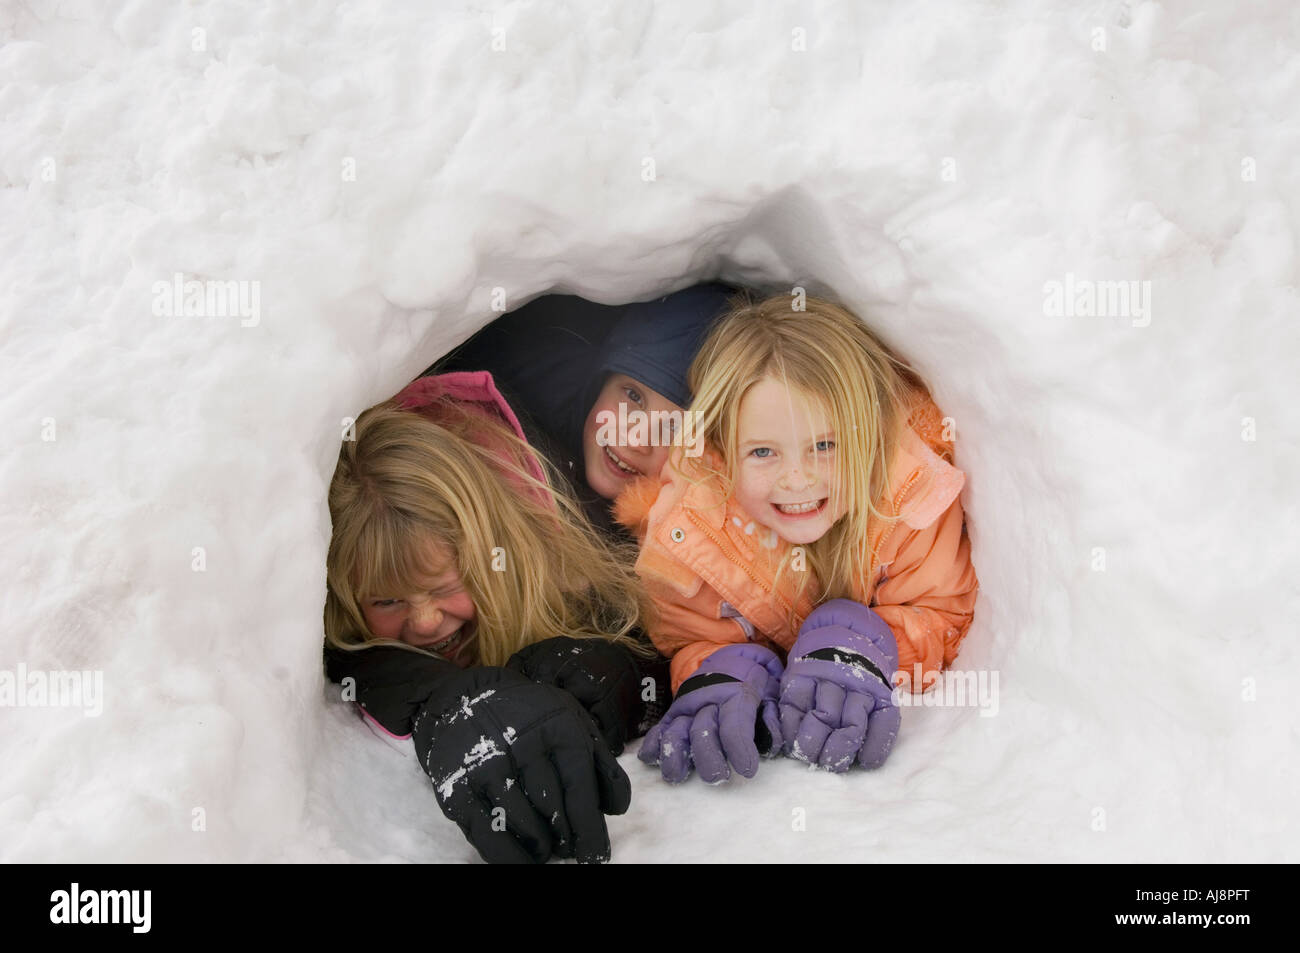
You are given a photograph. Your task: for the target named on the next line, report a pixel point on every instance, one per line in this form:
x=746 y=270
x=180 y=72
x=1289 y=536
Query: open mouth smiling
x=451 y=643
x=622 y=467
x=809 y=508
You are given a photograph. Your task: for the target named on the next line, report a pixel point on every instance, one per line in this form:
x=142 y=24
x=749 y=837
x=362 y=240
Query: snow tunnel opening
x=792 y=243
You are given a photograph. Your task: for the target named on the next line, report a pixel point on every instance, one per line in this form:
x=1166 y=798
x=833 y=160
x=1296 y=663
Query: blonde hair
x=526 y=555
x=830 y=355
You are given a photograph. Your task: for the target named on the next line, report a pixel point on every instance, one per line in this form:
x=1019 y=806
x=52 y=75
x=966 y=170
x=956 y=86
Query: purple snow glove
x=724 y=717
x=837 y=702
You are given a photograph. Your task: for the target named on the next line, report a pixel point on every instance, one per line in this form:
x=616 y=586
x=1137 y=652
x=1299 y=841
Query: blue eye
x=825 y=446
x=761 y=452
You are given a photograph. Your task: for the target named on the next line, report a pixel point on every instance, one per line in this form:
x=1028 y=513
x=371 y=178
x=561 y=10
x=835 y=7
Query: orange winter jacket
x=711 y=570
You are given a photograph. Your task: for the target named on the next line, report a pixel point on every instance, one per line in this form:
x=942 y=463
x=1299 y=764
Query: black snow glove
x=520 y=767
x=603 y=676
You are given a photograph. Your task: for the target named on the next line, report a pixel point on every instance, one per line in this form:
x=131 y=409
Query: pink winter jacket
x=711 y=570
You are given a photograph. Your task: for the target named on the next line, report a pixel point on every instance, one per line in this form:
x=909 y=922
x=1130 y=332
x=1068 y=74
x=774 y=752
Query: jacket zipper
x=727 y=550
x=889 y=530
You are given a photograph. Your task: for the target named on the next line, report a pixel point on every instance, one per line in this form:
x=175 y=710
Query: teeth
x=621 y=465
x=451 y=641
x=795 y=508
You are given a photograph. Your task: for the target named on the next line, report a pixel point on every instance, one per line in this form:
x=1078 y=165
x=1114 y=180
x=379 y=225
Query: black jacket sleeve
x=391 y=684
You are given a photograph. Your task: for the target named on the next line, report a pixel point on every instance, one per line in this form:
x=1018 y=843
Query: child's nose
x=425 y=618
x=795 y=479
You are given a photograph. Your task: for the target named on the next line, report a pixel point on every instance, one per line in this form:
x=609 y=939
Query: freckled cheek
x=752 y=489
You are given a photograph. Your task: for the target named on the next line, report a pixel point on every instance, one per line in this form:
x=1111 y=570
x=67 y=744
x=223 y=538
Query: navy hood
x=655 y=341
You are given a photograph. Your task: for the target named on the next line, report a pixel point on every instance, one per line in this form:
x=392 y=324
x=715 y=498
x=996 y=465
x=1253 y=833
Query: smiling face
x=611 y=467
x=437 y=614
x=785 y=469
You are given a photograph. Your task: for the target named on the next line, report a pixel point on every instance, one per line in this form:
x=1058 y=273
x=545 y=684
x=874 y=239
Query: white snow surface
x=934 y=164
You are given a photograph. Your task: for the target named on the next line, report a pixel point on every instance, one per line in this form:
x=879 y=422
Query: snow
x=466 y=709
x=373 y=171
x=483 y=750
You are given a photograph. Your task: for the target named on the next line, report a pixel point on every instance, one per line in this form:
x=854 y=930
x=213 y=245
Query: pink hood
x=474 y=389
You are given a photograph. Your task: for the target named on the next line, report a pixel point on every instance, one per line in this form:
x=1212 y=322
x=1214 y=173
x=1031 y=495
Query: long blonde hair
x=830 y=355
x=527 y=557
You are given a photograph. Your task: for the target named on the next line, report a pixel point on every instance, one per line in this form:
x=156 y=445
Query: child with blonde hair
x=471 y=607
x=813 y=557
